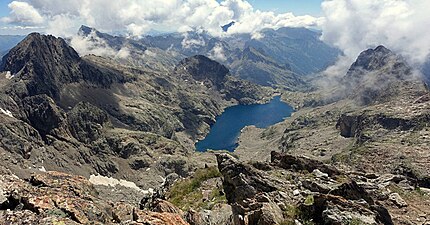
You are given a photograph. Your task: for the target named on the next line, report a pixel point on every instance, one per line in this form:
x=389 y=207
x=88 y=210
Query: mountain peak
x=374 y=59
x=45 y=63
x=85 y=30
x=36 y=48
x=227 y=26
x=201 y=68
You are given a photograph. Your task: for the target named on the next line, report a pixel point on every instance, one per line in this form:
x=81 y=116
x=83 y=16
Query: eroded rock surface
x=58 y=198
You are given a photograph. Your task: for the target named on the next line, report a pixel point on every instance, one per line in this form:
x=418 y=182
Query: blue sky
x=298 y=7
x=4 y=10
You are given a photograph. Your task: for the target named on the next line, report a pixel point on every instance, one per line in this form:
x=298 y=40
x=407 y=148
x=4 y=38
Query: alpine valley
x=101 y=129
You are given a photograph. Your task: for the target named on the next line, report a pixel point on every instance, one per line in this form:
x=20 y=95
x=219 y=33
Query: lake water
x=225 y=132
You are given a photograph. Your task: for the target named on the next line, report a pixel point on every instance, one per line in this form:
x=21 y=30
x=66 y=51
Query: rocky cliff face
x=296 y=190
x=202 y=69
x=211 y=74
x=379 y=75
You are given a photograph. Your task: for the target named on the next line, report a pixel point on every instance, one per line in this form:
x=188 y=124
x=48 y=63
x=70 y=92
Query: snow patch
x=6 y=112
x=112 y=182
x=9 y=75
x=42 y=169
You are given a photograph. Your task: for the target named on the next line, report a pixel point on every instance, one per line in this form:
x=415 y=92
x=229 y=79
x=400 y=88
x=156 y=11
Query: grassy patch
x=412 y=195
x=309 y=200
x=187 y=194
x=292 y=213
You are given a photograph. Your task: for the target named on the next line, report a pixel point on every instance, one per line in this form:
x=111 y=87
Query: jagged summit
x=382 y=63
x=201 y=68
x=45 y=63
x=378 y=75
x=227 y=26
x=85 y=30
x=36 y=48
x=375 y=59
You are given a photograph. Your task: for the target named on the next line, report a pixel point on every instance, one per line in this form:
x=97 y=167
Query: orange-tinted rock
x=153 y=218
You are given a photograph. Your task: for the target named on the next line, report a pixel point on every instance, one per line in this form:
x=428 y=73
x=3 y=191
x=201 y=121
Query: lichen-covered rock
x=58 y=198
x=295 y=188
x=152 y=218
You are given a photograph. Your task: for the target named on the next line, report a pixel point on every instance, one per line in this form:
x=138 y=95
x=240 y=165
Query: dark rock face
x=349 y=126
x=45 y=64
x=301 y=163
x=375 y=59
x=203 y=69
x=86 y=122
x=355 y=125
x=215 y=75
x=379 y=75
x=241 y=181
x=20 y=138
x=45 y=116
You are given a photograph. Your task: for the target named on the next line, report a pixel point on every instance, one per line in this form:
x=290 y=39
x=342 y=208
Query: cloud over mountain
x=400 y=25
x=23 y=13
x=139 y=16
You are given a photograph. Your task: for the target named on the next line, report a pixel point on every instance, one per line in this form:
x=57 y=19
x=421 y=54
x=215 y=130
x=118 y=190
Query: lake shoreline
x=225 y=133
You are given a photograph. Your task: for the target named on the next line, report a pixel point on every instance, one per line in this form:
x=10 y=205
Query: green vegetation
x=292 y=213
x=57 y=213
x=309 y=200
x=417 y=193
x=187 y=193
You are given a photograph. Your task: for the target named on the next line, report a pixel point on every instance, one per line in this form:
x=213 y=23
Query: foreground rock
x=298 y=189
x=58 y=198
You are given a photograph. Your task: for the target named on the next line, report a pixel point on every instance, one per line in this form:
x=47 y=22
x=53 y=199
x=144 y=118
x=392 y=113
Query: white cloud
x=139 y=16
x=191 y=41
x=23 y=13
x=400 y=25
x=94 y=45
x=217 y=53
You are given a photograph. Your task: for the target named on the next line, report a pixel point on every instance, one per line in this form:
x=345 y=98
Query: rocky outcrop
x=45 y=116
x=86 y=122
x=214 y=75
x=57 y=198
x=201 y=68
x=355 y=125
x=301 y=163
x=281 y=192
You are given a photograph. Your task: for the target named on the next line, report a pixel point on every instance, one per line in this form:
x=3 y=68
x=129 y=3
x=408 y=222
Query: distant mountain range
x=280 y=57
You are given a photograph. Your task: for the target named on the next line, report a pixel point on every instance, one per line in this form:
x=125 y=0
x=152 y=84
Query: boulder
x=398 y=200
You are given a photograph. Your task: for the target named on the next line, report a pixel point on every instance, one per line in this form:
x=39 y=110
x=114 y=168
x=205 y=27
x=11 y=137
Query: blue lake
x=225 y=132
